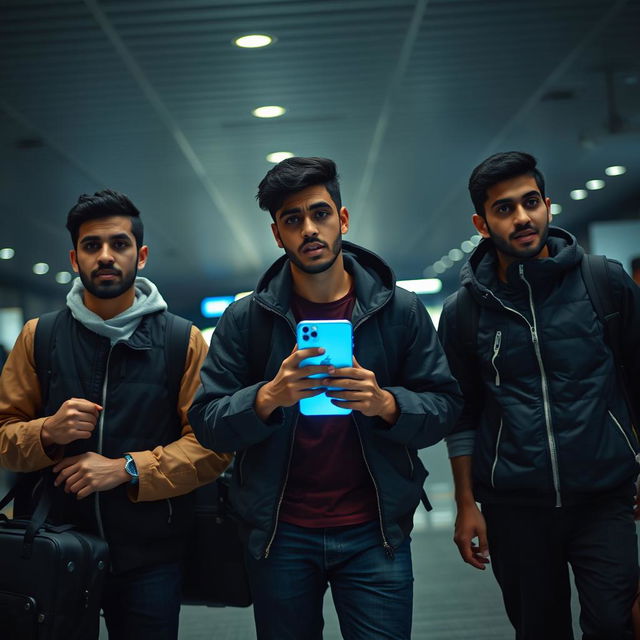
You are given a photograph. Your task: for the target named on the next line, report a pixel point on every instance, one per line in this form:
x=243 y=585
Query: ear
x=547 y=201
x=74 y=260
x=344 y=220
x=143 y=254
x=276 y=235
x=481 y=225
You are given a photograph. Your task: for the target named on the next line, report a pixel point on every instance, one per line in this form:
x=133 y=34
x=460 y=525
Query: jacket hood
x=480 y=273
x=374 y=281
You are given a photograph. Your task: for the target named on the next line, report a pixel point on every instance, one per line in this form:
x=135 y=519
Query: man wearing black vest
x=325 y=499
x=120 y=446
x=545 y=420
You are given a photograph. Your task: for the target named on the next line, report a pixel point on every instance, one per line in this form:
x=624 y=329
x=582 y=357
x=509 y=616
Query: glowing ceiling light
x=40 y=268
x=279 y=156
x=555 y=209
x=438 y=267
x=456 y=255
x=615 y=170
x=475 y=239
x=578 y=194
x=594 y=185
x=253 y=41
x=7 y=253
x=270 y=111
x=422 y=285
x=467 y=246
x=63 y=277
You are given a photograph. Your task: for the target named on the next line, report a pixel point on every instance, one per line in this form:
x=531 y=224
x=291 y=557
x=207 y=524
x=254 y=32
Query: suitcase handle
x=24 y=524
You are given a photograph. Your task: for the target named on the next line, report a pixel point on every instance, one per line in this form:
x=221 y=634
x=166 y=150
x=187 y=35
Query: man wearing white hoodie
x=119 y=443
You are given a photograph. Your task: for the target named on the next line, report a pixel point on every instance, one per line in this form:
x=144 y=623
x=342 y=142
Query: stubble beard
x=321 y=267
x=507 y=249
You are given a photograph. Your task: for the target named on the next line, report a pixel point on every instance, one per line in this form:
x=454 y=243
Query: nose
x=309 y=228
x=521 y=215
x=105 y=256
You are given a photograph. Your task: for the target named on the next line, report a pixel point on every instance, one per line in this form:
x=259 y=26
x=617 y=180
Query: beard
x=111 y=288
x=507 y=249
x=318 y=267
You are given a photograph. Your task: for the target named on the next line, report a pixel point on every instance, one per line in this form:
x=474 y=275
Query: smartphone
x=336 y=338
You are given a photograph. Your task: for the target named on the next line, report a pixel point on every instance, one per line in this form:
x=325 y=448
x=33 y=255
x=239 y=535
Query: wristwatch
x=131 y=469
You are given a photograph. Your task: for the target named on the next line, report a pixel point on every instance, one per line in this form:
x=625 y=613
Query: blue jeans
x=372 y=592
x=143 y=604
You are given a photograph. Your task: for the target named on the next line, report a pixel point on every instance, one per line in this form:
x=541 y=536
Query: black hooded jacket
x=393 y=336
x=541 y=392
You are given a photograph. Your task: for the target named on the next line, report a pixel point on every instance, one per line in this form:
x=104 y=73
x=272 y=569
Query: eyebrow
x=502 y=201
x=117 y=236
x=316 y=205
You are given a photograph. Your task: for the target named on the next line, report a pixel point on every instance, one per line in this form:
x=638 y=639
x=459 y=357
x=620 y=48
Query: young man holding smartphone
x=325 y=499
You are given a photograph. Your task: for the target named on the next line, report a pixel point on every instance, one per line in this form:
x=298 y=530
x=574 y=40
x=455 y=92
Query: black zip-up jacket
x=393 y=336
x=541 y=392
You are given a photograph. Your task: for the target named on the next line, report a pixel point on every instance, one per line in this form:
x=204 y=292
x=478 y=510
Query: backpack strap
x=467 y=318
x=600 y=286
x=42 y=350
x=176 y=344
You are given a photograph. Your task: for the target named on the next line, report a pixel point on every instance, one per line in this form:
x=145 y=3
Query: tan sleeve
x=184 y=464
x=20 y=399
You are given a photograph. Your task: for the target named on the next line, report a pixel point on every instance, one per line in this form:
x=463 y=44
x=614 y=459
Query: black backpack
x=596 y=274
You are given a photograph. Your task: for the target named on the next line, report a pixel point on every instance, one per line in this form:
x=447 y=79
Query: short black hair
x=294 y=174
x=497 y=168
x=104 y=204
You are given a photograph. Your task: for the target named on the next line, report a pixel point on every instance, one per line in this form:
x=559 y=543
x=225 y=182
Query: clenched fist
x=74 y=420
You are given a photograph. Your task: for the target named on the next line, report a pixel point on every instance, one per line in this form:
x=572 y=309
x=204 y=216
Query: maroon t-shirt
x=329 y=484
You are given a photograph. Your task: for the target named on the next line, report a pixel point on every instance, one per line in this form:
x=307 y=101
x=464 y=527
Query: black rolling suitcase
x=50 y=578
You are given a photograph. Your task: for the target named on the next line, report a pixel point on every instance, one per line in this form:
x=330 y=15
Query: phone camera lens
x=305 y=329
x=305 y=337
x=314 y=334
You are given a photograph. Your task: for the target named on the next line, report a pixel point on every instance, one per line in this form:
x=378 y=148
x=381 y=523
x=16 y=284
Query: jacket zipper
x=545 y=391
x=496 y=350
x=284 y=486
x=411 y=467
x=495 y=459
x=622 y=432
x=100 y=439
x=385 y=543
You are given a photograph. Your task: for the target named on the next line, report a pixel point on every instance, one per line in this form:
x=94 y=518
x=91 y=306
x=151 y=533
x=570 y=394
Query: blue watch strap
x=131 y=469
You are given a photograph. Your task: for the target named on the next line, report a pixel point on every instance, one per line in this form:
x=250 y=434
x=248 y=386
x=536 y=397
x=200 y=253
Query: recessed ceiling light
x=438 y=267
x=616 y=170
x=270 y=111
x=475 y=239
x=555 y=209
x=446 y=261
x=40 y=268
x=279 y=156
x=467 y=246
x=578 y=194
x=594 y=185
x=253 y=41
x=455 y=255
x=63 y=277
x=7 y=253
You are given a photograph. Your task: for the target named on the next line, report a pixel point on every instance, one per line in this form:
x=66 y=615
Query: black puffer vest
x=130 y=382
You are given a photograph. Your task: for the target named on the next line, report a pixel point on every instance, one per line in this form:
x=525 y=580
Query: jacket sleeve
x=223 y=415
x=427 y=395
x=464 y=366
x=183 y=465
x=20 y=403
